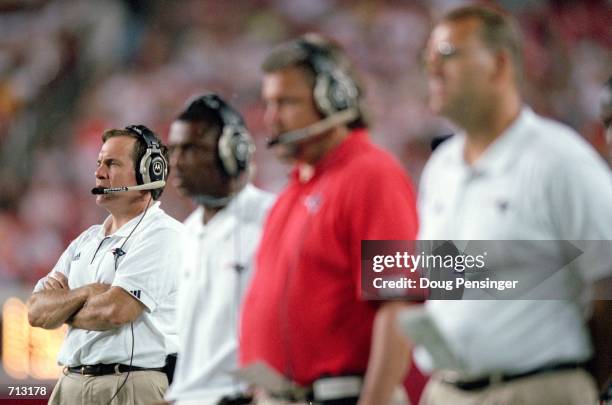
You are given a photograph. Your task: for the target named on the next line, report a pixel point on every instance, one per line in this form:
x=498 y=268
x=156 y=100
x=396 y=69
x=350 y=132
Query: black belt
x=500 y=378
x=106 y=369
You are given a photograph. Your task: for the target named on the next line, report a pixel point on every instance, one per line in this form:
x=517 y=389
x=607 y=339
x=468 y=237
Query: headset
x=334 y=89
x=152 y=166
x=235 y=146
x=335 y=93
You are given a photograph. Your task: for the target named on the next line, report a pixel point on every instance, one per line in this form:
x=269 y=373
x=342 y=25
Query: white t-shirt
x=148 y=270
x=216 y=273
x=538 y=181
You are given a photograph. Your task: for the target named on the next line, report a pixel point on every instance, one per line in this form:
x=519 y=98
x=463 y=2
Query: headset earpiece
x=153 y=165
x=235 y=146
x=334 y=90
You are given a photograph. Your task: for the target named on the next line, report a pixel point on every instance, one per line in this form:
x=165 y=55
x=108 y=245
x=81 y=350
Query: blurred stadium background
x=70 y=69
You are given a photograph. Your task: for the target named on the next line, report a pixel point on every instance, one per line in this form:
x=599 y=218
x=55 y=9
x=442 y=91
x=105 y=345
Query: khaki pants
x=572 y=387
x=141 y=388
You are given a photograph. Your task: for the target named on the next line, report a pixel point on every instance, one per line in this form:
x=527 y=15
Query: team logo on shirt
x=76 y=257
x=136 y=293
x=502 y=205
x=313 y=203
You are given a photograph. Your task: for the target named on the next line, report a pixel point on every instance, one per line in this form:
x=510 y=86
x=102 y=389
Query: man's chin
x=103 y=199
x=286 y=153
x=436 y=105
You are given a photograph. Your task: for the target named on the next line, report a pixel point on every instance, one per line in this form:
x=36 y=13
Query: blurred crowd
x=70 y=69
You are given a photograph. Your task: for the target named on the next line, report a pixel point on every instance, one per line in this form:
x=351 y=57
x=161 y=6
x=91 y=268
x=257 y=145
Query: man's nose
x=101 y=172
x=176 y=156
x=433 y=65
x=271 y=115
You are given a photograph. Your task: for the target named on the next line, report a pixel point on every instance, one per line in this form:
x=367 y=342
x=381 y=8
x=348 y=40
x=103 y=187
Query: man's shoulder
x=553 y=145
x=258 y=203
x=162 y=221
x=374 y=159
x=261 y=197
x=88 y=233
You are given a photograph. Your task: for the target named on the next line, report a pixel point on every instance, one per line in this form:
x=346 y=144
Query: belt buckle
x=82 y=370
x=117 y=372
x=332 y=388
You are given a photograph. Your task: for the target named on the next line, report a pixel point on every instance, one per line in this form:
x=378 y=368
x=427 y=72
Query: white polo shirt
x=538 y=181
x=210 y=294
x=148 y=271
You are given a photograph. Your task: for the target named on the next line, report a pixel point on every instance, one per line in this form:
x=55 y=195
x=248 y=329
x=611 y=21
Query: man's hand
x=389 y=356
x=94 y=289
x=56 y=281
x=57 y=303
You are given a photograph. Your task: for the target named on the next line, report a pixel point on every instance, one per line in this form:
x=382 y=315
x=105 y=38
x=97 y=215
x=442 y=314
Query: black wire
x=131 y=323
x=129 y=369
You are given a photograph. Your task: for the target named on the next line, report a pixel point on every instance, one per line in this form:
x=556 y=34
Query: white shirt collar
x=128 y=226
x=235 y=208
x=504 y=150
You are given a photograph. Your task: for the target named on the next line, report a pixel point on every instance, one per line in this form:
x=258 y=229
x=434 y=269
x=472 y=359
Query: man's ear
x=504 y=66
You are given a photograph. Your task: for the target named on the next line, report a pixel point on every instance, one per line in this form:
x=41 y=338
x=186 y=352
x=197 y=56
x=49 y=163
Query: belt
x=341 y=390
x=492 y=379
x=337 y=390
x=106 y=369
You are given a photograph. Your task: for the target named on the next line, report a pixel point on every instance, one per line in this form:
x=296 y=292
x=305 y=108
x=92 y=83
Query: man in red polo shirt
x=303 y=314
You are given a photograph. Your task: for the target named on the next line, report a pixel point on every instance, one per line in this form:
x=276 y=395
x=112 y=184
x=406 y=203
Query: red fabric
x=303 y=314
x=414 y=383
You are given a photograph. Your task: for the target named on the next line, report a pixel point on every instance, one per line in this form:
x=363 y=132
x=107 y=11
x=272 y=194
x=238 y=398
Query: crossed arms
x=93 y=306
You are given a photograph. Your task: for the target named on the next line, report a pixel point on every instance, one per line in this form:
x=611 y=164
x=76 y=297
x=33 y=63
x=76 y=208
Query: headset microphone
x=148 y=186
x=334 y=120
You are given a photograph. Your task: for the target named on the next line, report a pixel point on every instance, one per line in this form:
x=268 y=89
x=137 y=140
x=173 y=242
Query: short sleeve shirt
x=147 y=270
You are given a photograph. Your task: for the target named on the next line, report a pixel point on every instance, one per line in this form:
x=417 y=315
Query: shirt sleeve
x=580 y=194
x=149 y=268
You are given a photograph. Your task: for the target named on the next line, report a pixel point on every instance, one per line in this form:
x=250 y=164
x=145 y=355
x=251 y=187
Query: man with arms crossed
x=115 y=285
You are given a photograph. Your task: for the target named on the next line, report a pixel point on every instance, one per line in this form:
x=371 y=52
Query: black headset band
x=316 y=56
x=226 y=113
x=234 y=145
x=145 y=134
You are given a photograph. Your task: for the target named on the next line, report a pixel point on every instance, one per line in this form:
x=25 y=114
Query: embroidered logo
x=76 y=257
x=502 y=205
x=136 y=293
x=313 y=203
x=118 y=252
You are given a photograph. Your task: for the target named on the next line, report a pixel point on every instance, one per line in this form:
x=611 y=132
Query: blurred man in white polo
x=509 y=175
x=210 y=154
